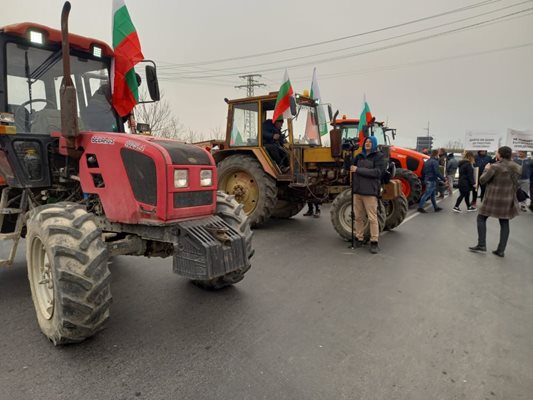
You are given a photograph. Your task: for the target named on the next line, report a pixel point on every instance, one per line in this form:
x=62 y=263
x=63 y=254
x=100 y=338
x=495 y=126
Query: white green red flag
x=283 y=102
x=364 y=120
x=315 y=95
x=128 y=52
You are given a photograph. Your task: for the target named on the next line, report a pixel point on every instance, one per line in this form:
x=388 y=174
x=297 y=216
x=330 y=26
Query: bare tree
x=159 y=116
x=217 y=133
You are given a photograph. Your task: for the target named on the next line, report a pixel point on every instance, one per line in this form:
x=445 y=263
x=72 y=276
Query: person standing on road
x=451 y=169
x=441 y=187
x=432 y=176
x=500 y=200
x=482 y=159
x=367 y=169
x=313 y=209
x=466 y=182
x=525 y=163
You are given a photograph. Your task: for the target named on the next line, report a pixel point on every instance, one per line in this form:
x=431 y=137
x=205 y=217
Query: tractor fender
x=258 y=153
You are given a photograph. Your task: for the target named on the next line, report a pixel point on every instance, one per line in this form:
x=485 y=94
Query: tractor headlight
x=206 y=177
x=181 y=178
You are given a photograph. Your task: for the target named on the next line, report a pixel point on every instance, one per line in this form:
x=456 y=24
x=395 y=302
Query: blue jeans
x=431 y=188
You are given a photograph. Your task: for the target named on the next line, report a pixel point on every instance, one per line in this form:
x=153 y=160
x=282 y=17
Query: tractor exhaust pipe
x=67 y=91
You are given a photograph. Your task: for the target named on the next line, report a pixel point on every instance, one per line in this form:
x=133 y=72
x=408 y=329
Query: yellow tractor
x=311 y=172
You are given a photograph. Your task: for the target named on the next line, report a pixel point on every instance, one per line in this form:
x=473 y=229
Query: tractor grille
x=141 y=174
x=193 y=199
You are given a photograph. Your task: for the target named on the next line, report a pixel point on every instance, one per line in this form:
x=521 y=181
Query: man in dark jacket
x=367 y=170
x=431 y=174
x=482 y=160
x=443 y=158
x=273 y=141
x=451 y=169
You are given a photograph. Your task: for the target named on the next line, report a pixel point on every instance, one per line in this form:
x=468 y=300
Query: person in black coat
x=367 y=169
x=273 y=142
x=466 y=182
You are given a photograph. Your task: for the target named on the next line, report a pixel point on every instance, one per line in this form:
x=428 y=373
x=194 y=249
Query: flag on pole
x=365 y=119
x=283 y=103
x=128 y=52
x=315 y=95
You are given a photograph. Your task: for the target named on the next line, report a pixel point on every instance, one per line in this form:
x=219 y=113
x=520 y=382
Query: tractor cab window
x=379 y=133
x=33 y=80
x=244 y=127
x=350 y=132
x=307 y=125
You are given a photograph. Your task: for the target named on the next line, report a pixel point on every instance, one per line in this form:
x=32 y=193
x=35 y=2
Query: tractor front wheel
x=411 y=185
x=341 y=216
x=233 y=214
x=396 y=210
x=242 y=176
x=68 y=273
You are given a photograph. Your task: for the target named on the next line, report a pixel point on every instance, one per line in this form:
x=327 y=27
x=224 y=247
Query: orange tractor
x=409 y=163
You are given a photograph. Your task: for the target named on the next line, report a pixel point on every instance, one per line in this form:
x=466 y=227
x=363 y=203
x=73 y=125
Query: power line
x=223 y=60
x=251 y=83
x=362 y=44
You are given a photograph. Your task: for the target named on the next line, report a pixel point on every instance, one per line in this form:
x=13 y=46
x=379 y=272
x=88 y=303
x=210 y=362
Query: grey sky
x=472 y=87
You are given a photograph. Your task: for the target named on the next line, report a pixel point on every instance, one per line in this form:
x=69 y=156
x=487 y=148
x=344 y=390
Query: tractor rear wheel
x=341 y=211
x=411 y=185
x=233 y=214
x=68 y=273
x=287 y=209
x=242 y=176
x=396 y=210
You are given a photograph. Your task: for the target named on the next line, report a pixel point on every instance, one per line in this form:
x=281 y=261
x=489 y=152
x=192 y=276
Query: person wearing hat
x=367 y=169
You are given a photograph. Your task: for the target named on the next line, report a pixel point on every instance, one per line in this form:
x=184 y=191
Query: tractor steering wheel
x=29 y=123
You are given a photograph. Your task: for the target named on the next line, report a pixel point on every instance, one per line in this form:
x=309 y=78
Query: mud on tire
x=233 y=214
x=341 y=216
x=68 y=272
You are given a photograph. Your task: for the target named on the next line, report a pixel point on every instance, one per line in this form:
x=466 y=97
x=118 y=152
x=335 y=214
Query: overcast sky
x=478 y=78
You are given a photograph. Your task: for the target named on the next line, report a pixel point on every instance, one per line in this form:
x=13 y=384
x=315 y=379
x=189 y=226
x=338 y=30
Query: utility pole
x=251 y=83
x=427 y=129
x=249 y=120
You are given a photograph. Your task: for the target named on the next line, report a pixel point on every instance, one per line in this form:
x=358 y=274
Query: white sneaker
x=471 y=208
x=456 y=209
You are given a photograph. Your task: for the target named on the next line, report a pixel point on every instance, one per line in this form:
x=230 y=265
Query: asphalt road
x=424 y=319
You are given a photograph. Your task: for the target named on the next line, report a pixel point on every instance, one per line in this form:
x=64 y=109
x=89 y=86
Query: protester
x=431 y=175
x=273 y=142
x=500 y=200
x=525 y=163
x=451 y=169
x=443 y=158
x=313 y=209
x=482 y=159
x=466 y=182
x=367 y=168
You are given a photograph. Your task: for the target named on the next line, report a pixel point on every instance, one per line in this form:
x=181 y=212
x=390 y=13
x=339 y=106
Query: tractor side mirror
x=152 y=83
x=292 y=102
x=330 y=113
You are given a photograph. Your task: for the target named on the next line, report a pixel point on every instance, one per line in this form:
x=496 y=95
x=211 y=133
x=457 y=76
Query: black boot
x=374 y=248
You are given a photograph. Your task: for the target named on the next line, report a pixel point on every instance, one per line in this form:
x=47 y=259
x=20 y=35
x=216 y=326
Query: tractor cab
x=248 y=118
x=350 y=131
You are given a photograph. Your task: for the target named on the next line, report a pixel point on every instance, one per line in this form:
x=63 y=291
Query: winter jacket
x=481 y=162
x=370 y=168
x=500 y=196
x=269 y=130
x=466 y=176
x=451 y=166
x=525 y=163
x=431 y=171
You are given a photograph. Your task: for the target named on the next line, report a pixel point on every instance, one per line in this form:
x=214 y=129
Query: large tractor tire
x=341 y=211
x=411 y=185
x=242 y=176
x=233 y=214
x=68 y=273
x=286 y=209
x=396 y=210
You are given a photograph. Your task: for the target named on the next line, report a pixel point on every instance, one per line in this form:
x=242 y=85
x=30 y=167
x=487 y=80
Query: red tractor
x=81 y=196
x=409 y=163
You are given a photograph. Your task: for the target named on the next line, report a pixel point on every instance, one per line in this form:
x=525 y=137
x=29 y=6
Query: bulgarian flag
x=364 y=119
x=128 y=52
x=283 y=103
x=315 y=95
